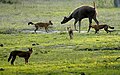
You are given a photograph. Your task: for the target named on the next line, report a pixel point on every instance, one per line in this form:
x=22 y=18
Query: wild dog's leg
x=13 y=59
x=90 y=22
x=36 y=28
x=106 y=29
x=71 y=35
x=26 y=60
x=75 y=25
x=10 y=56
x=96 y=31
x=46 y=29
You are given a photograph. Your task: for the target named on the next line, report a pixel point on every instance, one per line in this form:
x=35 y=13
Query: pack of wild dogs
x=78 y=14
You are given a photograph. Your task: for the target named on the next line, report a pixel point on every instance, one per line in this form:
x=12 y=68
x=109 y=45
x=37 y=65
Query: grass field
x=56 y=54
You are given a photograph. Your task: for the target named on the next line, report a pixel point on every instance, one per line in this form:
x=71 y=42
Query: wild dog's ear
x=30 y=48
x=50 y=21
x=68 y=28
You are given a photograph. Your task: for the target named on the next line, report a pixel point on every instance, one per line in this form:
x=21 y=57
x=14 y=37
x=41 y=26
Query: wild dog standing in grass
x=98 y=27
x=70 y=32
x=22 y=54
x=41 y=24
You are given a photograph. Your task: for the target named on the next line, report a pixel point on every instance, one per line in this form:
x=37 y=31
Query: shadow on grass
x=94 y=49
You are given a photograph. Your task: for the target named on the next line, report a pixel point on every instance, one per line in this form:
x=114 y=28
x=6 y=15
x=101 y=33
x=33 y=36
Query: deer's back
x=83 y=12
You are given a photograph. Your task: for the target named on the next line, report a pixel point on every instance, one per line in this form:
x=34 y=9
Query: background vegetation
x=55 y=53
x=14 y=17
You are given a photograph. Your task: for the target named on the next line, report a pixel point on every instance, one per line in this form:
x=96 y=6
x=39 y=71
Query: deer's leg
x=97 y=22
x=79 y=26
x=75 y=25
x=90 y=22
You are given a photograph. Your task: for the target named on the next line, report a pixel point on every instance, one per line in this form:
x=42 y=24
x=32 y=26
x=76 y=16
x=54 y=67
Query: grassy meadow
x=55 y=53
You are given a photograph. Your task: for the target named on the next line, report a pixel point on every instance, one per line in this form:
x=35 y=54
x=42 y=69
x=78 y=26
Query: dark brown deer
x=81 y=13
x=70 y=32
x=22 y=54
x=41 y=24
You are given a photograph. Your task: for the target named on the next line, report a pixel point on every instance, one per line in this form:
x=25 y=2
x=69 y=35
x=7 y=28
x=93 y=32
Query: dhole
x=41 y=24
x=22 y=54
x=98 y=27
x=70 y=32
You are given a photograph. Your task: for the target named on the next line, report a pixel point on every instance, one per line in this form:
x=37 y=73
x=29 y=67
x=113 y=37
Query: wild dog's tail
x=30 y=23
x=10 y=56
x=111 y=27
x=117 y=58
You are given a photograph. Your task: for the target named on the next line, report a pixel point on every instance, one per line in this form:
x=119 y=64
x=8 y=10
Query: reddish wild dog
x=98 y=27
x=41 y=24
x=70 y=32
x=22 y=54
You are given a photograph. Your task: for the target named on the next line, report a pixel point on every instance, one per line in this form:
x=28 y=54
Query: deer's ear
x=65 y=17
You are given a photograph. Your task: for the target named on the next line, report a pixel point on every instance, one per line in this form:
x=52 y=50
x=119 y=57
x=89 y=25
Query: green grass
x=56 y=54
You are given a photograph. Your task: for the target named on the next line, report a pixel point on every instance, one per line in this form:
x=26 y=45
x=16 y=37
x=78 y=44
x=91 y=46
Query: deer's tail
x=111 y=27
x=94 y=4
x=10 y=56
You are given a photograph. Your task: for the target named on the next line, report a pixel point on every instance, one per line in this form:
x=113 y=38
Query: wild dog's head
x=30 y=50
x=50 y=22
x=68 y=28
